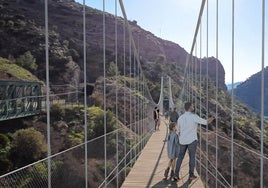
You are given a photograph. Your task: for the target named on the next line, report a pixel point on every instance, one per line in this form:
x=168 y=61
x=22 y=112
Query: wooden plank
x=148 y=171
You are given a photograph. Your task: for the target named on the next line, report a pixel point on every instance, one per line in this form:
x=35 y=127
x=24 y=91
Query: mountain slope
x=250 y=92
x=22 y=29
x=229 y=85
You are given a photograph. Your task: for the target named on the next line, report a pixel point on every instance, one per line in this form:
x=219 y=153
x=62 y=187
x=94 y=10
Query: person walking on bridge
x=156 y=118
x=187 y=130
x=172 y=149
x=173 y=117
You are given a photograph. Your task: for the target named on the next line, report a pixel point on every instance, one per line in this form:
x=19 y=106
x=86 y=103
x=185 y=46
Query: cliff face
x=22 y=29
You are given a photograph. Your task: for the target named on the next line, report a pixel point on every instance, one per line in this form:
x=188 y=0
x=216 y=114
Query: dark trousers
x=155 y=123
x=192 y=150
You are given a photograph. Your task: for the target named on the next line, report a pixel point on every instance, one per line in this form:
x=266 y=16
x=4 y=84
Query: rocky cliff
x=23 y=29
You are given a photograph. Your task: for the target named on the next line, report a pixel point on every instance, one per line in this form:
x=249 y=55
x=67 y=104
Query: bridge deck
x=148 y=170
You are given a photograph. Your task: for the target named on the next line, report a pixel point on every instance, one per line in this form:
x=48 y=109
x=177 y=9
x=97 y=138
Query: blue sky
x=175 y=20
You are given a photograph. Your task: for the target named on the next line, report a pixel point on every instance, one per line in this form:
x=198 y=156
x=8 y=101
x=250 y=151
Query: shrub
x=76 y=138
x=38 y=173
x=28 y=145
x=112 y=70
x=5 y=164
x=27 y=61
x=57 y=111
x=96 y=116
x=75 y=55
x=4 y=141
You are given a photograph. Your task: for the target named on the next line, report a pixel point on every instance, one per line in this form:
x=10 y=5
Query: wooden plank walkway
x=148 y=170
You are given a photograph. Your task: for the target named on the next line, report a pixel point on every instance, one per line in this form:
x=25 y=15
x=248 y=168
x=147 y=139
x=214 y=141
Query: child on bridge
x=172 y=148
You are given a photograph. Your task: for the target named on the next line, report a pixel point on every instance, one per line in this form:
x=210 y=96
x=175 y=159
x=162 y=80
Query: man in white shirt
x=187 y=129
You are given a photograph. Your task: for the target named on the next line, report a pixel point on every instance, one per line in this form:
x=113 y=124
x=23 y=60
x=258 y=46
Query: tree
x=99 y=123
x=27 y=61
x=28 y=145
x=96 y=121
x=113 y=69
x=5 y=163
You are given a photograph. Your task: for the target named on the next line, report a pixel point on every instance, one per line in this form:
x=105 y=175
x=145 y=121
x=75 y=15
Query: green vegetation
x=57 y=111
x=4 y=150
x=27 y=61
x=73 y=117
x=96 y=121
x=16 y=71
x=112 y=70
x=28 y=145
x=38 y=172
x=75 y=138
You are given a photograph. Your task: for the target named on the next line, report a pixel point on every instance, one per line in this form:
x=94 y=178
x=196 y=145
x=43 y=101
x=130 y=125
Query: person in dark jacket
x=156 y=117
x=173 y=117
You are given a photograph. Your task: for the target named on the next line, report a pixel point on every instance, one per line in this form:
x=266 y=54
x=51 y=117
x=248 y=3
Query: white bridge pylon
x=165 y=100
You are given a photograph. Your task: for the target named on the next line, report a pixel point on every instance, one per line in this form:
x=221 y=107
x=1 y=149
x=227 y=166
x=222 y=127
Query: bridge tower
x=165 y=100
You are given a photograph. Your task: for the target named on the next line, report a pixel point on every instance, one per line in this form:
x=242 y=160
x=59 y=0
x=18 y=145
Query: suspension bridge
x=19 y=99
x=132 y=154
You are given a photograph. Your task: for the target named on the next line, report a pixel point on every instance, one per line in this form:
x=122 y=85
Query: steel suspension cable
x=132 y=43
x=104 y=92
x=138 y=112
x=144 y=107
x=134 y=50
x=200 y=99
x=116 y=94
x=210 y=172
x=232 y=101
x=139 y=107
x=217 y=86
x=207 y=100
x=190 y=79
x=239 y=145
x=193 y=61
x=188 y=82
x=262 y=92
x=195 y=77
x=47 y=96
x=196 y=81
x=125 y=121
x=189 y=56
x=130 y=91
x=136 y=73
x=134 y=102
x=85 y=93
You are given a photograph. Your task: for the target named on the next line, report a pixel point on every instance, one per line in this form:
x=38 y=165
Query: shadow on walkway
x=165 y=183
x=168 y=183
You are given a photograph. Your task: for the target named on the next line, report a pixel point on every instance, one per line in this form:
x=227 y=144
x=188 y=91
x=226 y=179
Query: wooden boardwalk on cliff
x=148 y=170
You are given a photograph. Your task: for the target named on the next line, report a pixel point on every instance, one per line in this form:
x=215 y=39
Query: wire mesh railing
x=67 y=167
x=246 y=162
